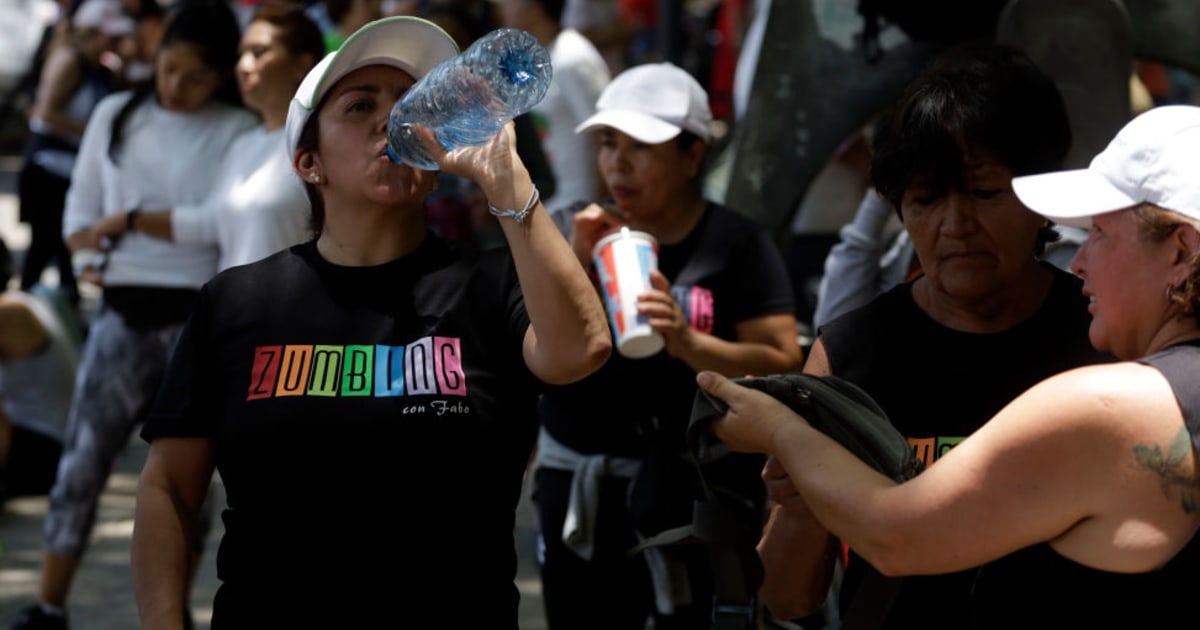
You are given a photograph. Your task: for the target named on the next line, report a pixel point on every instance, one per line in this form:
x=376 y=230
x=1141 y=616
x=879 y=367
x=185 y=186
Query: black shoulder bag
x=731 y=524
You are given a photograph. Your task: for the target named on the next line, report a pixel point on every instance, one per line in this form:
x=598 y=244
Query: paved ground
x=102 y=596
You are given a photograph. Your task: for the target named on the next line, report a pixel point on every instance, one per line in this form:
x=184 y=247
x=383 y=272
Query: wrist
x=131 y=220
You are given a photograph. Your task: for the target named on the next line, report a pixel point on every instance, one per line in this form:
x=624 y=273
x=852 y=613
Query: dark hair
x=211 y=26
x=6 y=266
x=309 y=137
x=336 y=9
x=983 y=95
x=1155 y=225
x=298 y=33
x=553 y=9
x=444 y=11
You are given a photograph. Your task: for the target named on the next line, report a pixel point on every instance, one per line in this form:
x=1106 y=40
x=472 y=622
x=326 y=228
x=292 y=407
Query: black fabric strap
x=842 y=411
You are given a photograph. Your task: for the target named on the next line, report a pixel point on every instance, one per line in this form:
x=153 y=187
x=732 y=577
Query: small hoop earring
x=1170 y=293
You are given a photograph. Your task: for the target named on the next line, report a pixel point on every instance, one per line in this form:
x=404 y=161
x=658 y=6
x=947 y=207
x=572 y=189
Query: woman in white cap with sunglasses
x=721 y=300
x=1080 y=496
x=367 y=397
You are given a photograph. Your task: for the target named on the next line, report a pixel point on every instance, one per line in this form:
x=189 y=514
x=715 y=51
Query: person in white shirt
x=257 y=207
x=158 y=146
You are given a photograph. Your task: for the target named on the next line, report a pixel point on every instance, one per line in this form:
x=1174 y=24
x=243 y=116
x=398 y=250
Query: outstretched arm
x=1056 y=465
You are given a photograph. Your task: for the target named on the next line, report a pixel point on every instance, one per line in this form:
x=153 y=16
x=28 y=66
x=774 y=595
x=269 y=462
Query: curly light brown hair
x=1155 y=225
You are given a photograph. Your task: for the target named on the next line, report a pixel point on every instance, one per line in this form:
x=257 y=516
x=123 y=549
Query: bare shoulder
x=1117 y=396
x=1142 y=460
x=21 y=332
x=1084 y=420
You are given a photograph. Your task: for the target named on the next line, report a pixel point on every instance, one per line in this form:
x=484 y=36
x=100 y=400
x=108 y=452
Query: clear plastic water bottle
x=468 y=98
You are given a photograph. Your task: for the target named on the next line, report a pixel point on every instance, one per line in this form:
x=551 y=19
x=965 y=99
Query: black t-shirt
x=1038 y=588
x=371 y=426
x=726 y=271
x=939 y=385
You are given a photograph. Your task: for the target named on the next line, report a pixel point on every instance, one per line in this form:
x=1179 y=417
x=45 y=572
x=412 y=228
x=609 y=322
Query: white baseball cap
x=1154 y=158
x=409 y=43
x=653 y=103
x=106 y=16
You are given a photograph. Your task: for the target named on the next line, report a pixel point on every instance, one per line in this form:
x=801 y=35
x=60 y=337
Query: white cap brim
x=411 y=44
x=1070 y=197
x=637 y=125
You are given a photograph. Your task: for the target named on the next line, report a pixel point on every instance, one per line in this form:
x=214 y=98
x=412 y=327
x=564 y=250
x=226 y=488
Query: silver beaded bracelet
x=519 y=217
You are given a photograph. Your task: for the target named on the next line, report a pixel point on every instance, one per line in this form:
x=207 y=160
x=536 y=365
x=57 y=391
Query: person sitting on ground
x=38 y=359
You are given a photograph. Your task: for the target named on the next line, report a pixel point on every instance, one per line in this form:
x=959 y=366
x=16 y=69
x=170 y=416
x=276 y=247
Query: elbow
x=889 y=558
x=596 y=353
x=592 y=353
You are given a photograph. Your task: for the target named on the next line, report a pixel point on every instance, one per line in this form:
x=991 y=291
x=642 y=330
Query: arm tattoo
x=1172 y=466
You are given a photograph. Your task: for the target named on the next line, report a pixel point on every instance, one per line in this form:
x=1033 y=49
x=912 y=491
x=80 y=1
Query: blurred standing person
x=338 y=18
x=158 y=146
x=721 y=300
x=984 y=320
x=457 y=208
x=257 y=207
x=74 y=79
x=580 y=74
x=401 y=342
x=138 y=50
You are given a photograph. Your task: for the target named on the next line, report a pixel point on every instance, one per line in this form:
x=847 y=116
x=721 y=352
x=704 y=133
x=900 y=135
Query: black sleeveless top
x=939 y=385
x=1038 y=588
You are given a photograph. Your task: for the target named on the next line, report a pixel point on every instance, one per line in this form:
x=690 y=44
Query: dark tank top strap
x=1180 y=365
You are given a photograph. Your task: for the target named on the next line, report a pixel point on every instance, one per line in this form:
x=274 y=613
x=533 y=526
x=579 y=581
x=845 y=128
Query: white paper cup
x=624 y=261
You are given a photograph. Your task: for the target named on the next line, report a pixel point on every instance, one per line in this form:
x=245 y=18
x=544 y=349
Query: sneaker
x=35 y=618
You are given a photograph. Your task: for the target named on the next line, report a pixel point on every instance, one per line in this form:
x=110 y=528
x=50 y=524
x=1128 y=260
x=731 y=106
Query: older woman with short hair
x=1079 y=497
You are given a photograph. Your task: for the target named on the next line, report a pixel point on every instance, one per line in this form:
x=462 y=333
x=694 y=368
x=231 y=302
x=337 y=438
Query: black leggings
x=43 y=196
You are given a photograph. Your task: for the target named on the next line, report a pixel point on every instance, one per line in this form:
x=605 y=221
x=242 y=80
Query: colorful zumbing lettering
x=430 y=365
x=928 y=450
x=697 y=305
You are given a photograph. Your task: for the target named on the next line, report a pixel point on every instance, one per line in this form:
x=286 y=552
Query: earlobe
x=305 y=164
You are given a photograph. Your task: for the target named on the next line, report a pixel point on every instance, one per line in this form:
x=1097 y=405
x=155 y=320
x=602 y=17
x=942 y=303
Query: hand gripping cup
x=624 y=261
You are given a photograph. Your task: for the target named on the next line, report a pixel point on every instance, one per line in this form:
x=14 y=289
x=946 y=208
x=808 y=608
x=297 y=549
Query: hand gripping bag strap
x=844 y=412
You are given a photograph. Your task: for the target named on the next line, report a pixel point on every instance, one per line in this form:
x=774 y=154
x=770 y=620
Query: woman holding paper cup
x=689 y=286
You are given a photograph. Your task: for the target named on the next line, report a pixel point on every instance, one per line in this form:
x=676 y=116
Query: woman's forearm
x=570 y=331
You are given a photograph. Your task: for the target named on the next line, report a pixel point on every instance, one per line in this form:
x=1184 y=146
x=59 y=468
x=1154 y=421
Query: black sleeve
x=180 y=407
